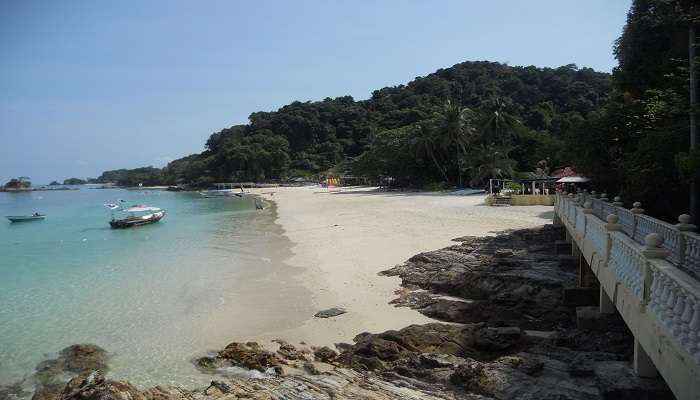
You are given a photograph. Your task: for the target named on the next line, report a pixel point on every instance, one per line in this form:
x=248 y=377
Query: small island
x=74 y=181
x=20 y=184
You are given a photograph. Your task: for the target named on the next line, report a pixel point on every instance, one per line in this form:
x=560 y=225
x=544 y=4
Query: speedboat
x=134 y=216
x=25 y=218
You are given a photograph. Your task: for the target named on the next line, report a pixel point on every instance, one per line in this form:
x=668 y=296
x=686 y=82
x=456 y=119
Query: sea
x=212 y=271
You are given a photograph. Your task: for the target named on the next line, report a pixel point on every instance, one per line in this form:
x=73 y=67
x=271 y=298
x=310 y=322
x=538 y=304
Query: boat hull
x=136 y=221
x=23 y=218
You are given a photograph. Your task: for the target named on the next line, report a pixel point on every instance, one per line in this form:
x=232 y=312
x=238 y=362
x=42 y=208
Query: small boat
x=135 y=216
x=24 y=218
x=218 y=193
x=223 y=190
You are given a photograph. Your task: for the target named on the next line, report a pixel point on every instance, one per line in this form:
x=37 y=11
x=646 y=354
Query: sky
x=88 y=86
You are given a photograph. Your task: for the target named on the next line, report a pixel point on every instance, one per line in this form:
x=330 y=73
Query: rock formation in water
x=509 y=336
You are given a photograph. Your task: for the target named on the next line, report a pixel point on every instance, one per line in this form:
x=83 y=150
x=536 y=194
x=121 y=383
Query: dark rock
x=574 y=297
x=72 y=360
x=531 y=365
x=469 y=376
x=13 y=391
x=562 y=247
x=496 y=339
x=616 y=380
x=331 y=312
x=51 y=391
x=287 y=351
x=84 y=357
x=75 y=359
x=246 y=355
x=325 y=354
x=590 y=318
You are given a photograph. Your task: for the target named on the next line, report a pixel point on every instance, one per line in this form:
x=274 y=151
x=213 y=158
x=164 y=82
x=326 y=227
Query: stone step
x=501 y=201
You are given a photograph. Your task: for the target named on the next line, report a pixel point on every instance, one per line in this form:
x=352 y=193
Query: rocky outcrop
x=508 y=279
x=13 y=391
x=245 y=355
x=49 y=378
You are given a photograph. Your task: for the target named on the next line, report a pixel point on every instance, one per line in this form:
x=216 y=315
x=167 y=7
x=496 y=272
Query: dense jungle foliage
x=459 y=125
x=476 y=120
x=637 y=144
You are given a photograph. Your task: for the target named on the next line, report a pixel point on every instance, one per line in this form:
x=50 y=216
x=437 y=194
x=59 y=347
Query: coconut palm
x=458 y=131
x=499 y=124
x=491 y=162
x=423 y=145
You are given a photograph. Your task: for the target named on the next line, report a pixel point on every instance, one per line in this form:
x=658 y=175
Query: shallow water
x=155 y=296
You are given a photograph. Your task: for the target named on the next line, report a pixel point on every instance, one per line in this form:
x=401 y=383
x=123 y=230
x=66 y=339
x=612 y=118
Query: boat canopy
x=142 y=209
x=573 y=179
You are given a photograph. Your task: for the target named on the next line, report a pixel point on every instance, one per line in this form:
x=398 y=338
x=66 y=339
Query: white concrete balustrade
x=691 y=254
x=627 y=263
x=650 y=271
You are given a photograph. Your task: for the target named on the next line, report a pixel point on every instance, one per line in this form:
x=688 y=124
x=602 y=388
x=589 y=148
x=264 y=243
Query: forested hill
x=461 y=124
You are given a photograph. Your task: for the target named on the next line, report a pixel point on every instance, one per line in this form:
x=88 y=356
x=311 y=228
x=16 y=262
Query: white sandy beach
x=342 y=240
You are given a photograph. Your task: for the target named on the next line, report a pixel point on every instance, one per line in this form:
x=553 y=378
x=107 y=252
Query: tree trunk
x=694 y=185
x=442 y=171
x=459 y=172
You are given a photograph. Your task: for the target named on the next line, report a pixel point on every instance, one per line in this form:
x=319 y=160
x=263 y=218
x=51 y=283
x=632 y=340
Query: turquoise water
x=155 y=296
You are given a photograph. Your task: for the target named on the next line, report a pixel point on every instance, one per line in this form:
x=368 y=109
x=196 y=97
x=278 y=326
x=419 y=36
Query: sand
x=342 y=240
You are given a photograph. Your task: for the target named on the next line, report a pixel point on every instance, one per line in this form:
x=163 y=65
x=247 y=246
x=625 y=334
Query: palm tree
x=422 y=145
x=491 y=162
x=458 y=131
x=499 y=124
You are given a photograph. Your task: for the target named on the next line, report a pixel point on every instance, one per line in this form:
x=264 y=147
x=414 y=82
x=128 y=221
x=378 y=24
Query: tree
x=423 y=145
x=19 y=183
x=307 y=138
x=490 y=162
x=458 y=132
x=499 y=126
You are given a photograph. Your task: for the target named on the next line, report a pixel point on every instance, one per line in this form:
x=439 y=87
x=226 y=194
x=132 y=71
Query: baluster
x=656 y=290
x=667 y=317
x=694 y=329
x=678 y=308
x=685 y=319
x=617 y=201
x=666 y=292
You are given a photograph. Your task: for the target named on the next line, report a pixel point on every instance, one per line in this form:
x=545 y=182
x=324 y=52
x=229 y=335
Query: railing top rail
x=656 y=221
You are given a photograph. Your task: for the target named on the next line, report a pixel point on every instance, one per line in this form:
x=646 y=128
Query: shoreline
x=343 y=240
x=510 y=339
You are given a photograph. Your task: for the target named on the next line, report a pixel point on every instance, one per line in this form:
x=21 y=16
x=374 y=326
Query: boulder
x=331 y=312
x=246 y=355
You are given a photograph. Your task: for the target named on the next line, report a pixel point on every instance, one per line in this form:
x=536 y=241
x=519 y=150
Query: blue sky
x=87 y=86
